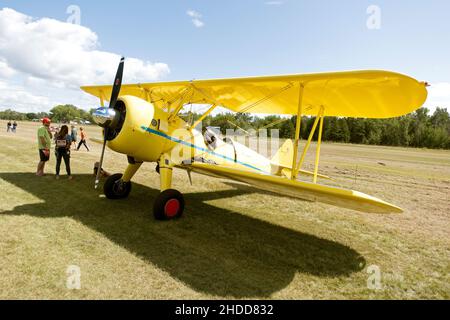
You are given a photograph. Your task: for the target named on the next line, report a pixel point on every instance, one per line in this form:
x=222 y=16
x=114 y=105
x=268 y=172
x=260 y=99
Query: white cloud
x=196 y=18
x=19 y=99
x=50 y=53
x=193 y=14
x=274 y=3
x=5 y=70
x=198 y=23
x=438 y=96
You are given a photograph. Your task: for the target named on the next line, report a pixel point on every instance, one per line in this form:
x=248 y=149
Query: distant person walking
x=14 y=127
x=63 y=143
x=74 y=136
x=44 y=143
x=8 y=126
x=83 y=140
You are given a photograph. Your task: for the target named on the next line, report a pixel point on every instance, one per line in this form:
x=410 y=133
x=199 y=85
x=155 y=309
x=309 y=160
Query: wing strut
x=180 y=106
x=319 y=142
x=297 y=131
x=102 y=100
x=308 y=143
x=319 y=118
x=148 y=95
x=199 y=120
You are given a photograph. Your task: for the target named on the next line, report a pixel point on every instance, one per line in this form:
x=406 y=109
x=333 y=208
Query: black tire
x=114 y=189
x=168 y=205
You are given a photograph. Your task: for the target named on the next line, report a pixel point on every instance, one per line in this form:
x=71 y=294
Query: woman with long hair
x=63 y=142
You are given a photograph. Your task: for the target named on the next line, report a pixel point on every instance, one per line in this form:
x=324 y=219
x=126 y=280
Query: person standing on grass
x=44 y=143
x=74 y=136
x=14 y=127
x=8 y=126
x=83 y=140
x=63 y=143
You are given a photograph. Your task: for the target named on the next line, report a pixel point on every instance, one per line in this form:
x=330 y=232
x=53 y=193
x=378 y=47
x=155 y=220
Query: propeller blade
x=117 y=83
x=99 y=169
x=112 y=102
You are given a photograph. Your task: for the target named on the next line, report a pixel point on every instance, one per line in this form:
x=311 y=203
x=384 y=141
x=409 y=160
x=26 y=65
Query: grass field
x=232 y=242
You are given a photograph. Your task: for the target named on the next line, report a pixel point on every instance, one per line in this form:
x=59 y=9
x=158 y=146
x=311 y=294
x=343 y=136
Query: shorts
x=43 y=157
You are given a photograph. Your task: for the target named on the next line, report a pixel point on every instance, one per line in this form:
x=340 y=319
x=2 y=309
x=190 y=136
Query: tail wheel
x=114 y=188
x=168 y=205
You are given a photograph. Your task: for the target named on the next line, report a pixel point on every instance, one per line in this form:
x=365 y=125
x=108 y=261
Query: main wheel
x=168 y=205
x=114 y=188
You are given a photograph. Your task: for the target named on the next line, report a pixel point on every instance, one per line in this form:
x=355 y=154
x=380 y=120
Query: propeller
x=107 y=117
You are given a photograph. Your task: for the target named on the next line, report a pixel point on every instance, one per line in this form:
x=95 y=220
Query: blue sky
x=258 y=37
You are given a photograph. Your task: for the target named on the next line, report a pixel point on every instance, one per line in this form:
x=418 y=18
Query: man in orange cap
x=44 y=142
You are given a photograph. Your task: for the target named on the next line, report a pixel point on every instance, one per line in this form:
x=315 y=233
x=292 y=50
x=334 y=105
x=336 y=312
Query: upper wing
x=360 y=94
x=308 y=191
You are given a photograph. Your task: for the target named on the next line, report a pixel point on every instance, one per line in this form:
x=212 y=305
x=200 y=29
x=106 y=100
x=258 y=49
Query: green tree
x=68 y=112
x=64 y=113
x=441 y=119
x=357 y=130
x=287 y=129
x=373 y=131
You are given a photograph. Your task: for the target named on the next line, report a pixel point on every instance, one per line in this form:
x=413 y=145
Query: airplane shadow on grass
x=212 y=250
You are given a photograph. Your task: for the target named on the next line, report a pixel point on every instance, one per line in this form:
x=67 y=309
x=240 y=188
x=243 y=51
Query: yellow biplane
x=143 y=122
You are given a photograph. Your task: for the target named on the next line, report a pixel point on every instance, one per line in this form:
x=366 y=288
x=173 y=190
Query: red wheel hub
x=171 y=208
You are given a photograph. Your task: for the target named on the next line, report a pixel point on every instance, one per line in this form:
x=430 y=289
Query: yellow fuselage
x=149 y=132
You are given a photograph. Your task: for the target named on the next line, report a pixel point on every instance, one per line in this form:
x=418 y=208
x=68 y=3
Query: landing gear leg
x=170 y=203
x=118 y=186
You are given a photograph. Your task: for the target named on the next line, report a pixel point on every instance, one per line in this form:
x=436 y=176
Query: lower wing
x=298 y=189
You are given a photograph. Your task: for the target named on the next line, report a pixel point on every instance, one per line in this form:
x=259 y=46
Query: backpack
x=61 y=143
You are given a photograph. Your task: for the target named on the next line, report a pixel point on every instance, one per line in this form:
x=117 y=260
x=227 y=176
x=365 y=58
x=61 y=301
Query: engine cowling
x=129 y=137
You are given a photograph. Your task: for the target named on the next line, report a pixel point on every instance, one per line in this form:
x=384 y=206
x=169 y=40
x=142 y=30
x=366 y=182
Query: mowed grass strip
x=233 y=242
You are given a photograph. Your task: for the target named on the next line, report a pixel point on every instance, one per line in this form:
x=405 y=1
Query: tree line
x=419 y=129
x=60 y=114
